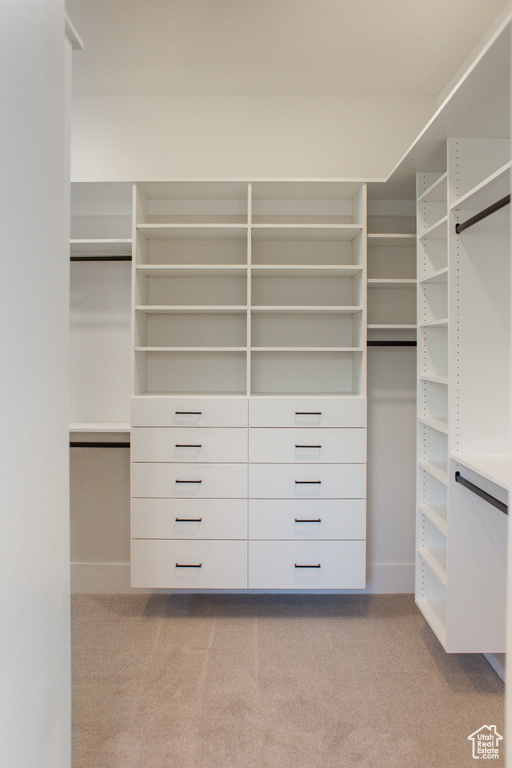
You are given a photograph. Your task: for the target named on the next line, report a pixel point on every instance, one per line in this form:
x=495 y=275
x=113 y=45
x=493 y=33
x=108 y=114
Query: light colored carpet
x=280 y=681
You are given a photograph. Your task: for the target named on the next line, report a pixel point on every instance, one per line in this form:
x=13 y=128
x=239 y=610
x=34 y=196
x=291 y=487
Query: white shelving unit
x=100 y=249
x=463 y=395
x=249 y=324
x=391 y=283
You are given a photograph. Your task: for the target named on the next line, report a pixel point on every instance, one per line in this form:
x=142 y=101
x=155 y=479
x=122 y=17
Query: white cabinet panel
x=189 y=519
x=189 y=480
x=303 y=445
x=188 y=444
x=162 y=564
x=307 y=564
x=189 y=412
x=307 y=412
x=307 y=519
x=328 y=481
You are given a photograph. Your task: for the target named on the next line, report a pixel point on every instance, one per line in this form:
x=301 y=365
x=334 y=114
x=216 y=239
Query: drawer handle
x=308 y=446
x=188 y=520
x=188 y=481
x=189 y=565
x=306 y=482
x=188 y=413
x=313 y=520
x=188 y=445
x=308 y=413
x=297 y=565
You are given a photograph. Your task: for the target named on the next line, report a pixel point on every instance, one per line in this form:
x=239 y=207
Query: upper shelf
x=489 y=191
x=491 y=466
x=391 y=240
x=99 y=247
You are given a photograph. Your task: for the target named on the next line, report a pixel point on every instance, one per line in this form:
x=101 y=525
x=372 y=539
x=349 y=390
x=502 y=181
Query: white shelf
x=437 y=192
x=438 y=424
x=435 y=468
x=100 y=247
x=391 y=326
x=434 y=612
x=306 y=270
x=489 y=191
x=196 y=270
x=350 y=310
x=307 y=349
x=434 y=379
x=437 y=231
x=389 y=282
x=99 y=426
x=392 y=240
x=305 y=231
x=193 y=231
x=439 y=276
x=191 y=349
x=442 y=323
x=435 y=559
x=437 y=514
x=491 y=466
x=190 y=309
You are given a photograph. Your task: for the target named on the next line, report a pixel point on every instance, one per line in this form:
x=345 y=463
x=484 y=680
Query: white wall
x=129 y=138
x=34 y=300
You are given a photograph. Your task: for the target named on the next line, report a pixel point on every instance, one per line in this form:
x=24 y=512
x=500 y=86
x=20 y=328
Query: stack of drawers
x=189 y=493
x=307 y=489
x=258 y=493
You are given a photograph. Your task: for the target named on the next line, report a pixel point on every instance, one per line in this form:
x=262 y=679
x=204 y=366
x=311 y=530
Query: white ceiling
x=331 y=48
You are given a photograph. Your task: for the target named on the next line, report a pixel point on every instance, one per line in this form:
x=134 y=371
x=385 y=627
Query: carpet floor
x=277 y=681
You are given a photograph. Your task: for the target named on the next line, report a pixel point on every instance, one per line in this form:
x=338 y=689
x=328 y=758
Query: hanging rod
x=87 y=444
x=100 y=258
x=372 y=343
x=483 y=214
x=483 y=494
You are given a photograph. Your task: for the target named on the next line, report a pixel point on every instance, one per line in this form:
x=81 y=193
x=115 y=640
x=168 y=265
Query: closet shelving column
x=391 y=272
x=189 y=410
x=100 y=252
x=432 y=431
x=479 y=438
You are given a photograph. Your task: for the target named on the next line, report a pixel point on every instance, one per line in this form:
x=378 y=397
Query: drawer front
x=307 y=412
x=190 y=444
x=189 y=412
x=307 y=564
x=307 y=481
x=189 y=519
x=188 y=564
x=307 y=519
x=303 y=445
x=189 y=480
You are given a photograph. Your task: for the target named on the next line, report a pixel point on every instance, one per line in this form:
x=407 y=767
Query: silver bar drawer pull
x=189 y=565
x=312 y=520
x=188 y=413
x=297 y=565
x=306 y=482
x=188 y=445
x=308 y=446
x=188 y=481
x=308 y=413
x=188 y=520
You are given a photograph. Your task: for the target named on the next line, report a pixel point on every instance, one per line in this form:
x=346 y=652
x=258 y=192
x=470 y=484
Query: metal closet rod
x=92 y=444
x=393 y=343
x=483 y=494
x=483 y=214
x=100 y=258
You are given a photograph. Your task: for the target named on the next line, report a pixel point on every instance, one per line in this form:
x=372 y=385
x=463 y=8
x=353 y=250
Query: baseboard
x=114 y=578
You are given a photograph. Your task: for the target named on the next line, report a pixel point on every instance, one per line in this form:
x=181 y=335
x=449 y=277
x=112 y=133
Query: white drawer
x=188 y=564
x=189 y=444
x=189 y=519
x=189 y=480
x=307 y=519
x=303 y=445
x=189 y=412
x=307 y=564
x=313 y=481
x=307 y=412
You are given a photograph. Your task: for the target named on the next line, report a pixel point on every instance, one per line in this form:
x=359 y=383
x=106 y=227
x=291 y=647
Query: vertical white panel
x=34 y=454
